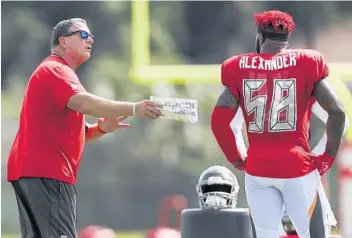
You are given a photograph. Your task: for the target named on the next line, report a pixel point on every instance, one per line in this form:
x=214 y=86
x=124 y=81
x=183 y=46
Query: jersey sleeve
x=319 y=68
x=228 y=76
x=63 y=84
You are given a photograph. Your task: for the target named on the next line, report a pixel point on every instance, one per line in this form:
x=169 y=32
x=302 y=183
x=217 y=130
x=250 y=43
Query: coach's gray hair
x=63 y=28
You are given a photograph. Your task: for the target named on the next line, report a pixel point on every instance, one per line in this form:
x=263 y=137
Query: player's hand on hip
x=148 y=109
x=323 y=162
x=240 y=164
x=111 y=124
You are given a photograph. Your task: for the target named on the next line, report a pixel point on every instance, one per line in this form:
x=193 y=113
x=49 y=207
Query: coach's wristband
x=134 y=109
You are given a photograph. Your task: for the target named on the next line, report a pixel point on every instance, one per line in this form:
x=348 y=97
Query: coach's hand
x=148 y=109
x=240 y=164
x=323 y=162
x=111 y=124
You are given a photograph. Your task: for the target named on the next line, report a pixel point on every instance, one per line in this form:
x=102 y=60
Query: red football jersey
x=275 y=94
x=50 y=137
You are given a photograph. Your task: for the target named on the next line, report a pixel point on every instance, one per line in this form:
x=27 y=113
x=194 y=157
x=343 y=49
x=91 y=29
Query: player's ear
x=259 y=40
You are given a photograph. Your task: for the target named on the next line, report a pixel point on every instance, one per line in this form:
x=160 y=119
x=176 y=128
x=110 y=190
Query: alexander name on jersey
x=275 y=63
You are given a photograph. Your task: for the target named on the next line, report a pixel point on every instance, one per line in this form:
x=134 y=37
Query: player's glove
x=323 y=162
x=240 y=164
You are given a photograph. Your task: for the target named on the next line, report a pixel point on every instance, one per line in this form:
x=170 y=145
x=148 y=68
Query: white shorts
x=267 y=196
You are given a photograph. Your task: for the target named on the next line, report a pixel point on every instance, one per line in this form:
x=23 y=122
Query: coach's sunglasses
x=84 y=35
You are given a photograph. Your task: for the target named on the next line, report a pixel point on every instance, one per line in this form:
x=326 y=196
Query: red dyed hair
x=280 y=21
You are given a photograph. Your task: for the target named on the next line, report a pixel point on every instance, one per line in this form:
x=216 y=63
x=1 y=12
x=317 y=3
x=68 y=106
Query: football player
x=276 y=88
x=328 y=215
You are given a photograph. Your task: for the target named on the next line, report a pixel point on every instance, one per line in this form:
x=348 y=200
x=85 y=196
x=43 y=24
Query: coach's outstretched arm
x=330 y=102
x=68 y=91
x=223 y=113
x=96 y=106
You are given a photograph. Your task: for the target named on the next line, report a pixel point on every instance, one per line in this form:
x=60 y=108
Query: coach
x=47 y=149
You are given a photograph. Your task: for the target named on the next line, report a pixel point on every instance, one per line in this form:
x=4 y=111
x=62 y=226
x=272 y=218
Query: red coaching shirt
x=275 y=93
x=50 y=138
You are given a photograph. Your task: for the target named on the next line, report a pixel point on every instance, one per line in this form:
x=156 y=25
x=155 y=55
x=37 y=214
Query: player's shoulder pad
x=233 y=61
x=310 y=54
x=230 y=61
x=228 y=66
x=316 y=63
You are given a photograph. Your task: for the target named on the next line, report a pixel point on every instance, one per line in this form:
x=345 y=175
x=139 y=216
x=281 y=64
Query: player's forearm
x=334 y=131
x=320 y=147
x=220 y=125
x=93 y=133
x=96 y=106
x=330 y=102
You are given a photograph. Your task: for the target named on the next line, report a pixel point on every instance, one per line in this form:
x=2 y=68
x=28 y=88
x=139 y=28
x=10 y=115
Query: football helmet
x=217 y=188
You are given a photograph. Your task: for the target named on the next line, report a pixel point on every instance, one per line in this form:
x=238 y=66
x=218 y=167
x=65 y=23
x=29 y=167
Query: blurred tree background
x=125 y=175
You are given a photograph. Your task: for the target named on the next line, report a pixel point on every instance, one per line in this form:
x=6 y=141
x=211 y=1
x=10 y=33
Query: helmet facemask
x=216 y=193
